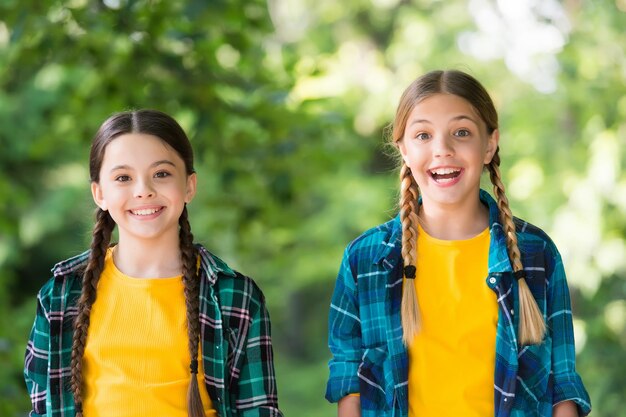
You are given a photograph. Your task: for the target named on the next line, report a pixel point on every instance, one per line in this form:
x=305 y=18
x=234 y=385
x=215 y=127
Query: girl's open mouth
x=445 y=175
x=146 y=212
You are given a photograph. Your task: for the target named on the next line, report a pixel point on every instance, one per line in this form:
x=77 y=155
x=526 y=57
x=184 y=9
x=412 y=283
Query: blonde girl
x=154 y=324
x=455 y=307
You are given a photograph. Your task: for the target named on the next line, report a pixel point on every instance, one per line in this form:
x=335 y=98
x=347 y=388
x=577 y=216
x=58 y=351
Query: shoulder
x=66 y=278
x=379 y=238
x=532 y=237
x=212 y=265
x=232 y=286
x=532 y=240
x=239 y=287
x=72 y=266
x=376 y=246
x=536 y=247
x=46 y=292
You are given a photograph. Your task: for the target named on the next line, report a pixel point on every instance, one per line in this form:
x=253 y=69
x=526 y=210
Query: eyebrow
x=454 y=119
x=152 y=165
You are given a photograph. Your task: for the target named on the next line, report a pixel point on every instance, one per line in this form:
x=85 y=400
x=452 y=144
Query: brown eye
x=122 y=178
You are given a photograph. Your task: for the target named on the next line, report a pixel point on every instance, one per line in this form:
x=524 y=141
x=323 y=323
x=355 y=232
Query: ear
x=98 y=197
x=192 y=181
x=492 y=145
x=402 y=147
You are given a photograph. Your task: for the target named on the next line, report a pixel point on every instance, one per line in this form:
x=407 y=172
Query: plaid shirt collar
x=390 y=251
x=211 y=265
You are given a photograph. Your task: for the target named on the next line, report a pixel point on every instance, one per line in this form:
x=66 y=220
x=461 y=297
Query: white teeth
x=445 y=180
x=444 y=171
x=144 y=212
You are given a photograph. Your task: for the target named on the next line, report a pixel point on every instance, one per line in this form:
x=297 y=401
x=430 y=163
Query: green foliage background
x=286 y=104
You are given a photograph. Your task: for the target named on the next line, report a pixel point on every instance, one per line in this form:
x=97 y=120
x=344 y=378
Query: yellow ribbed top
x=452 y=359
x=136 y=360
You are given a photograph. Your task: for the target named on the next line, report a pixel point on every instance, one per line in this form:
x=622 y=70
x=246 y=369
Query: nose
x=443 y=146
x=143 y=189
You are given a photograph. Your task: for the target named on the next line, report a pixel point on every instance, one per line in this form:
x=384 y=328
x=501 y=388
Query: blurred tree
x=265 y=167
x=285 y=103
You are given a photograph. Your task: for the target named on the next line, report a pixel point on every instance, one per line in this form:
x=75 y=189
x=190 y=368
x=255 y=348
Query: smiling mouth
x=146 y=212
x=443 y=175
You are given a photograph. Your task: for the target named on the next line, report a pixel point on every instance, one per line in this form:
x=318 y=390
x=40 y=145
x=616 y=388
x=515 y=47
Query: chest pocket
x=534 y=378
x=376 y=379
x=374 y=307
x=235 y=353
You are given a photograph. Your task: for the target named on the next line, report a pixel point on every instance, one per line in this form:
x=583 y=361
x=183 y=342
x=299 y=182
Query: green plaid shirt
x=365 y=330
x=235 y=332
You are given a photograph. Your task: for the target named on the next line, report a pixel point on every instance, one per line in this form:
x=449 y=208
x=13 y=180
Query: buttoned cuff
x=570 y=388
x=343 y=380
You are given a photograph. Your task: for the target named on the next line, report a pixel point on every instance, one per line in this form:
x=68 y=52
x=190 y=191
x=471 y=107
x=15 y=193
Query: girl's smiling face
x=144 y=186
x=446 y=145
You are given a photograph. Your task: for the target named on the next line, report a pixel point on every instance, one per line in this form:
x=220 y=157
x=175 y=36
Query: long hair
x=532 y=326
x=161 y=125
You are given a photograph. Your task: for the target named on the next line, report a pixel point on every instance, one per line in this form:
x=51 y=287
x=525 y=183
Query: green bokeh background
x=286 y=102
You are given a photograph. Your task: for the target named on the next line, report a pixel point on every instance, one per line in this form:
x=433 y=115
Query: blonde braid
x=409 y=193
x=531 y=324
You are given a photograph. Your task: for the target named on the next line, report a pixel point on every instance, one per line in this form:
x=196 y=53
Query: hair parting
x=99 y=244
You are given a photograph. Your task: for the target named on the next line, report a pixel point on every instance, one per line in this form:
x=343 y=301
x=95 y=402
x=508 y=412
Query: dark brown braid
x=164 y=127
x=192 y=300
x=531 y=324
x=409 y=193
x=99 y=244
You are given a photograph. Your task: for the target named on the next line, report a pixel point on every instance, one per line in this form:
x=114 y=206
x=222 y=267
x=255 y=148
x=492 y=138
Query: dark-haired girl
x=154 y=325
x=455 y=307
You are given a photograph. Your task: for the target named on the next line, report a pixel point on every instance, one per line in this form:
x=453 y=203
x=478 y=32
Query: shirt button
x=492 y=280
x=512 y=312
x=506 y=399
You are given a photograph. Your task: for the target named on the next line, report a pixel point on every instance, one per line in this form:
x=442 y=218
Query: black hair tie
x=409 y=271
x=519 y=274
x=194 y=366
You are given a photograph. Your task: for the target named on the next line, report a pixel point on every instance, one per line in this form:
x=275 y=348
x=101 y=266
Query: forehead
x=442 y=107
x=137 y=149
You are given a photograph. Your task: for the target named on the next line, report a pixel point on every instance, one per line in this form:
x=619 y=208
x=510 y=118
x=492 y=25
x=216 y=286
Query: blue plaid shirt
x=365 y=331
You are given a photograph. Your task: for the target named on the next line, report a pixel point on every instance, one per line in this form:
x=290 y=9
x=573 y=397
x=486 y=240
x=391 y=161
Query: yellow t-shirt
x=452 y=359
x=136 y=360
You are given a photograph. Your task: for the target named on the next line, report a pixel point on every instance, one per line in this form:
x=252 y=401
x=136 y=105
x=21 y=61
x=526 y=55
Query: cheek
x=105 y=192
x=180 y=190
x=402 y=149
x=414 y=157
x=486 y=154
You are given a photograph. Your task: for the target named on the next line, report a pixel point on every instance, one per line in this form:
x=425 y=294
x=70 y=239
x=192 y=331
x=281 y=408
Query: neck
x=147 y=259
x=454 y=223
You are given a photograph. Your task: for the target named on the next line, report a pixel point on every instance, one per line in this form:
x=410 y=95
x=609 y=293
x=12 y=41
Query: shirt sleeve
x=258 y=396
x=344 y=335
x=36 y=359
x=567 y=383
